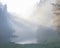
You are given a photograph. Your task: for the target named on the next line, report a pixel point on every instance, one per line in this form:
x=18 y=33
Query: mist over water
x=27 y=24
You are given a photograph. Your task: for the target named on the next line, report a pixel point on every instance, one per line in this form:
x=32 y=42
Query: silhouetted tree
x=51 y=34
x=5 y=26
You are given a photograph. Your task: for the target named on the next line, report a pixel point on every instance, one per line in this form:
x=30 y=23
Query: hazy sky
x=25 y=8
x=21 y=7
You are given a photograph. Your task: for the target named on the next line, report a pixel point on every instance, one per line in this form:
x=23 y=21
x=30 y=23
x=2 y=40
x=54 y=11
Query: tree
x=5 y=27
x=53 y=32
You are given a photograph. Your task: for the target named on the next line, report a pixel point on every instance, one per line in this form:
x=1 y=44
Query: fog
x=5 y=25
x=32 y=24
x=14 y=29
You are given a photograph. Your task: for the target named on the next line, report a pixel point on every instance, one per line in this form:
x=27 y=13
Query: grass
x=49 y=45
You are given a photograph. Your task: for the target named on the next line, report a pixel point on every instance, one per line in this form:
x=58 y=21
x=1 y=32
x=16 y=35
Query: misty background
x=32 y=24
